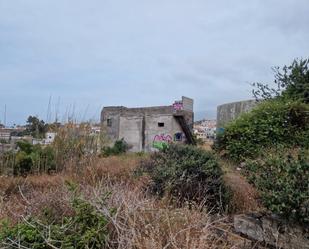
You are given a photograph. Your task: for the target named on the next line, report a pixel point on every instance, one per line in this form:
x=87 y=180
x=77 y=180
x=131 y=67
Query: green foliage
x=187 y=174
x=36 y=127
x=276 y=135
x=73 y=146
x=23 y=163
x=292 y=83
x=31 y=158
x=24 y=146
x=3 y=141
x=87 y=228
x=120 y=147
x=271 y=123
x=282 y=179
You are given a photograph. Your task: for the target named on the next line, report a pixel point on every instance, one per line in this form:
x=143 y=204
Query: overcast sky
x=87 y=54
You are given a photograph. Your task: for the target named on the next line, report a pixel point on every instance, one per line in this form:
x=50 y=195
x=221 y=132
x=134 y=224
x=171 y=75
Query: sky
x=72 y=57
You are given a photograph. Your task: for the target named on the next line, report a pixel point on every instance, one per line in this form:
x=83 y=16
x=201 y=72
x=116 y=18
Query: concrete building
x=50 y=137
x=230 y=111
x=5 y=134
x=150 y=128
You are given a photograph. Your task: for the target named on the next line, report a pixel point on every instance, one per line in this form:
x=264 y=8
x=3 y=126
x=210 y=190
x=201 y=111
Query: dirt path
x=245 y=197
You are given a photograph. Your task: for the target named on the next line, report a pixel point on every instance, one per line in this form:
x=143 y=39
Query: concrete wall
x=230 y=111
x=187 y=104
x=130 y=129
x=140 y=128
x=153 y=132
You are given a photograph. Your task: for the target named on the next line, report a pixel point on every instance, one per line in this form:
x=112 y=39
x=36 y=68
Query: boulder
x=272 y=231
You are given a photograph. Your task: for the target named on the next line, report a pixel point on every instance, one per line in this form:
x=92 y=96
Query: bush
x=120 y=147
x=87 y=228
x=186 y=174
x=282 y=179
x=33 y=158
x=271 y=123
x=23 y=164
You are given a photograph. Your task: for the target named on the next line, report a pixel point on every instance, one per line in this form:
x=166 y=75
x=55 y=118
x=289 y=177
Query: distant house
x=205 y=129
x=150 y=128
x=50 y=137
x=5 y=134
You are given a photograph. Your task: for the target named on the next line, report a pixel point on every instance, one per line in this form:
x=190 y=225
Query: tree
x=292 y=82
x=35 y=127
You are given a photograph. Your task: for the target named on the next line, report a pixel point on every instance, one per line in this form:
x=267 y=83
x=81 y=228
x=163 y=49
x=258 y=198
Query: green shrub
x=120 y=147
x=23 y=164
x=87 y=228
x=282 y=179
x=25 y=146
x=271 y=123
x=33 y=158
x=186 y=174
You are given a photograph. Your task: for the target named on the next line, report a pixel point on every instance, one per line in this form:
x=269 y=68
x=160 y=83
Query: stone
x=249 y=226
x=272 y=231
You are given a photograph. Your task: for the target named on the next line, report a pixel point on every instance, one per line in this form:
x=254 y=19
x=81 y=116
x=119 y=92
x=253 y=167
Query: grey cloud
x=135 y=53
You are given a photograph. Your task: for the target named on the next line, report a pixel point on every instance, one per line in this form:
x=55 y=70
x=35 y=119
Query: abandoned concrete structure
x=150 y=128
x=230 y=111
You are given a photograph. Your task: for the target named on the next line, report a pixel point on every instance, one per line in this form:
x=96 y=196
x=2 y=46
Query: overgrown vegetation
x=282 y=179
x=281 y=119
x=187 y=174
x=136 y=220
x=73 y=147
x=41 y=213
x=28 y=159
x=273 y=139
x=86 y=228
x=119 y=147
x=271 y=123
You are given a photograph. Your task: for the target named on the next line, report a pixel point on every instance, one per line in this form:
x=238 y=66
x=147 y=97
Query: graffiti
x=178 y=105
x=178 y=136
x=161 y=141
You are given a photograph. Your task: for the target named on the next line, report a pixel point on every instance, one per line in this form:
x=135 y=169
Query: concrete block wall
x=153 y=131
x=140 y=126
x=230 y=111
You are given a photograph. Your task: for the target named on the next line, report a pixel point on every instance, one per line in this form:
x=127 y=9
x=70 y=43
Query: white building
x=50 y=137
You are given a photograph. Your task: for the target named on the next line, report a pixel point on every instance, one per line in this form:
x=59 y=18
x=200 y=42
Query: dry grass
x=140 y=221
x=245 y=197
x=143 y=222
x=207 y=145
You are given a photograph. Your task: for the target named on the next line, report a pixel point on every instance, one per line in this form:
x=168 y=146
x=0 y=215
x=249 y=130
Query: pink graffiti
x=178 y=106
x=163 y=138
